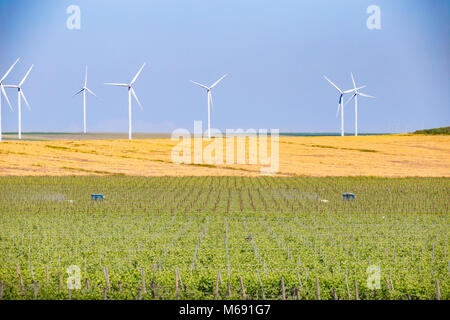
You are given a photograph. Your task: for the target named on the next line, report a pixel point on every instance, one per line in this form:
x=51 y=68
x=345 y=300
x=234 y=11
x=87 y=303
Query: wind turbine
x=84 y=89
x=2 y=89
x=130 y=92
x=340 y=105
x=355 y=95
x=21 y=95
x=210 y=102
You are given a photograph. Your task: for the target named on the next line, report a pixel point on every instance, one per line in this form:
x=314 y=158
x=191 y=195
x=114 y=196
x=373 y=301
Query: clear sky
x=275 y=52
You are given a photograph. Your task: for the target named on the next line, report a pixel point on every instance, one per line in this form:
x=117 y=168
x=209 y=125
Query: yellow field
x=390 y=156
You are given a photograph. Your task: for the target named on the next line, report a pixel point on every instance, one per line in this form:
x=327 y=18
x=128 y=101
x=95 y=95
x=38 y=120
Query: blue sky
x=275 y=52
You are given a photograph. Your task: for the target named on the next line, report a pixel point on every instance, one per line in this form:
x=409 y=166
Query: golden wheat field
x=387 y=155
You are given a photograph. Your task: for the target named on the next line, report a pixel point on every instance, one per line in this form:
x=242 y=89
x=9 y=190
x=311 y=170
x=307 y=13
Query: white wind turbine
x=341 y=105
x=84 y=89
x=21 y=95
x=130 y=92
x=2 y=89
x=355 y=95
x=210 y=102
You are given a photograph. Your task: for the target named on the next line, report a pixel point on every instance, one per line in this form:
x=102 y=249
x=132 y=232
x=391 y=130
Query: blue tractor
x=96 y=197
x=348 y=196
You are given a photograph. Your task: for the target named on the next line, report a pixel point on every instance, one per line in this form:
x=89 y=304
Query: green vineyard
x=224 y=238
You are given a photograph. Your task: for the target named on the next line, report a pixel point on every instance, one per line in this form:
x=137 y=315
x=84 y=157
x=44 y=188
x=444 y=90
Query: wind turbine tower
x=355 y=95
x=340 y=105
x=210 y=102
x=20 y=96
x=130 y=92
x=2 y=89
x=83 y=90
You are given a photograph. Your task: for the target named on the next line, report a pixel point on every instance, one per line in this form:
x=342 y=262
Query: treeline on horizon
x=441 y=130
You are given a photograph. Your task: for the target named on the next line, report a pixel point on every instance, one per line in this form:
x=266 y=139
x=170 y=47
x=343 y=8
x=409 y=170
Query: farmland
x=99 y=155
x=224 y=237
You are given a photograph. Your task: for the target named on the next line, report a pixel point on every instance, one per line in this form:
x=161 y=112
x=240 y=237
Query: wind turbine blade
x=117 y=84
x=353 y=80
x=7 y=72
x=337 y=111
x=25 y=99
x=351 y=98
x=199 y=84
x=135 y=97
x=78 y=92
x=26 y=75
x=333 y=84
x=6 y=97
x=85 y=76
x=90 y=91
x=217 y=82
x=353 y=90
x=138 y=73
x=365 y=95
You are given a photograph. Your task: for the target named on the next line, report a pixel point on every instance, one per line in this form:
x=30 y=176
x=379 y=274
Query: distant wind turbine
x=210 y=102
x=341 y=105
x=2 y=89
x=84 y=89
x=355 y=95
x=21 y=95
x=130 y=92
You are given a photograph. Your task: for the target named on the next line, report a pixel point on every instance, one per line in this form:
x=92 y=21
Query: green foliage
x=274 y=227
x=442 y=130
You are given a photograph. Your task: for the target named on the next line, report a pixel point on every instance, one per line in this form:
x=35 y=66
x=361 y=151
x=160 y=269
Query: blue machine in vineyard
x=348 y=196
x=96 y=197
